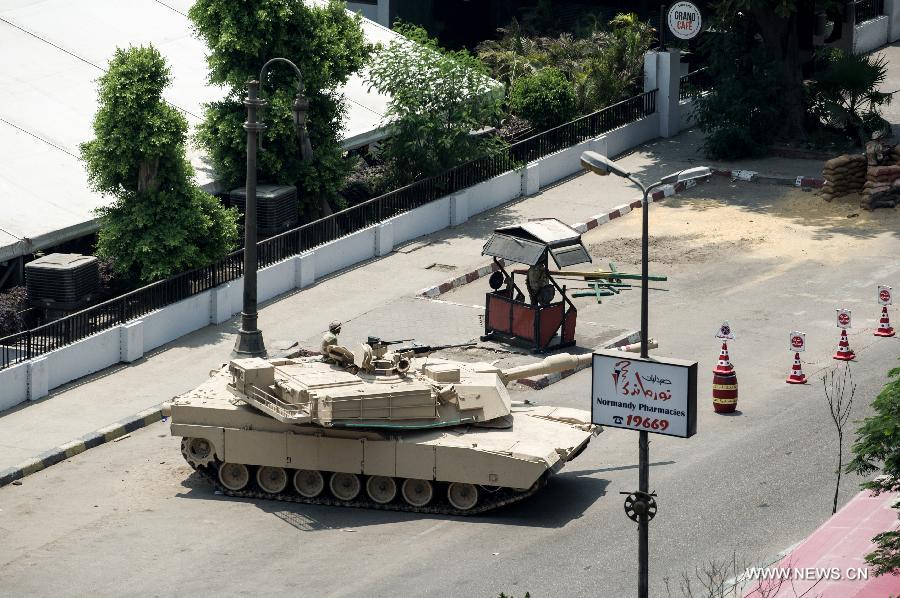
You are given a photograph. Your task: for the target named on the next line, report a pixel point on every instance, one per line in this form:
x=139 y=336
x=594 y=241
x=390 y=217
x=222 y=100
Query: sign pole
x=643 y=436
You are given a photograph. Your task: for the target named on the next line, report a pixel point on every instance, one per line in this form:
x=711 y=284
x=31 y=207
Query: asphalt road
x=130 y=517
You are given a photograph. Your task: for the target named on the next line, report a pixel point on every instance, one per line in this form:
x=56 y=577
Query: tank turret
x=393 y=423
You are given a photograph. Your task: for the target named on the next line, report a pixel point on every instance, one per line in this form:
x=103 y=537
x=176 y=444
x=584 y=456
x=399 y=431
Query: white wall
x=687 y=116
x=82 y=358
x=174 y=321
x=871 y=35
x=13 y=385
x=494 y=192
x=345 y=251
x=422 y=221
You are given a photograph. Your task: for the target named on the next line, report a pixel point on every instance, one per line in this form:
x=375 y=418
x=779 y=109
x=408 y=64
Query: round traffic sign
x=797 y=341
x=884 y=295
x=684 y=20
x=843 y=318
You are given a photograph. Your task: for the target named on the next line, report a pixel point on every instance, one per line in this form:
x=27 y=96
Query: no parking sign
x=884 y=295
x=843 y=318
x=797 y=341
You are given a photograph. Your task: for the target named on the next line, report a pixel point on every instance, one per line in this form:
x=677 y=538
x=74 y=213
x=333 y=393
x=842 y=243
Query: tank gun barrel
x=427 y=349
x=549 y=365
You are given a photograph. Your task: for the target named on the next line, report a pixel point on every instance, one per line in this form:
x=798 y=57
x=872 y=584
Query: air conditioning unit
x=277 y=208
x=62 y=281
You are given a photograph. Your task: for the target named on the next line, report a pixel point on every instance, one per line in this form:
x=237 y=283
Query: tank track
x=487 y=500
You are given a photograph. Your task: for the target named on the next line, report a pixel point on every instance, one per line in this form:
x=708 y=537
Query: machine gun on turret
x=429 y=349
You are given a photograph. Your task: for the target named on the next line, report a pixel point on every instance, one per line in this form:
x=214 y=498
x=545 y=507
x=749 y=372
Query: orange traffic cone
x=884 y=325
x=844 y=353
x=797 y=376
x=724 y=366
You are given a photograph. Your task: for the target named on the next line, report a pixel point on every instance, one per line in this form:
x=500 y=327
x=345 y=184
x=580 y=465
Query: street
x=130 y=517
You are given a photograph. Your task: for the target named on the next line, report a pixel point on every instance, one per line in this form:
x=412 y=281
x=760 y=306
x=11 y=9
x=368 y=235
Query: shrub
x=546 y=98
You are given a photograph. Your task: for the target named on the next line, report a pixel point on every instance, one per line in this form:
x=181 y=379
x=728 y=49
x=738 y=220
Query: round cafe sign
x=684 y=20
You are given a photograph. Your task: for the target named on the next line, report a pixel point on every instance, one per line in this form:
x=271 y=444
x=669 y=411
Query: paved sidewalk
x=97 y=401
x=831 y=559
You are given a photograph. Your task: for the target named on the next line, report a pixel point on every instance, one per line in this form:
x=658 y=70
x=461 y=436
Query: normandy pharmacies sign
x=652 y=394
x=684 y=20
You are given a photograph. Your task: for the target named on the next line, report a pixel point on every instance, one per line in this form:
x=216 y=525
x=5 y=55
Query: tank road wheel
x=198 y=452
x=272 y=479
x=381 y=489
x=462 y=496
x=308 y=483
x=234 y=476
x=345 y=486
x=418 y=493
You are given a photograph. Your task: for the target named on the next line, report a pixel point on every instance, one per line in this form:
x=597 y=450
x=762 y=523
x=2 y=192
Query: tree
x=741 y=114
x=439 y=99
x=839 y=392
x=877 y=447
x=160 y=222
x=326 y=43
x=546 y=98
x=778 y=23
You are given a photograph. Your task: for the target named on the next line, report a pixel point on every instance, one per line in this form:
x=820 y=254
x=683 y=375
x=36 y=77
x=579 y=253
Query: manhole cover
x=441 y=267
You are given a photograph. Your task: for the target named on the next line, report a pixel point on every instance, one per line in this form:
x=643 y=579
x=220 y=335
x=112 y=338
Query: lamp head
x=691 y=174
x=600 y=164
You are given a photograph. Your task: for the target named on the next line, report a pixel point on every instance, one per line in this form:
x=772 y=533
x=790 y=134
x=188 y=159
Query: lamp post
x=600 y=164
x=249 y=342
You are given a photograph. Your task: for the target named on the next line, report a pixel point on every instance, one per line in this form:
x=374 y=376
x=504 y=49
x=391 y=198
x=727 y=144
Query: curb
x=545 y=380
x=92 y=440
x=751 y=176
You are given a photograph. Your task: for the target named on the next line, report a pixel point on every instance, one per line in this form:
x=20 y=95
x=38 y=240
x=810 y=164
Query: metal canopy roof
x=525 y=243
x=54 y=51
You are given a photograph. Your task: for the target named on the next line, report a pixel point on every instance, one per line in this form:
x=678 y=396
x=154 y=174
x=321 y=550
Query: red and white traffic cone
x=884 y=325
x=844 y=353
x=797 y=376
x=724 y=365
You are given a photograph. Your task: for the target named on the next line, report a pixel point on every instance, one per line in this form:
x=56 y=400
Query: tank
x=377 y=427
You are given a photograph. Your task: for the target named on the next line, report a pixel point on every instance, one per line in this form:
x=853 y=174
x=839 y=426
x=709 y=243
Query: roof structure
x=526 y=243
x=54 y=51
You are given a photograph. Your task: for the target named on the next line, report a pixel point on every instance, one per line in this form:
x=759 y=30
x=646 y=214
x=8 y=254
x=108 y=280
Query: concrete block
x=668 y=75
x=219 y=304
x=892 y=11
x=38 y=378
x=305 y=270
x=531 y=178
x=131 y=341
x=459 y=208
x=384 y=238
x=650 y=59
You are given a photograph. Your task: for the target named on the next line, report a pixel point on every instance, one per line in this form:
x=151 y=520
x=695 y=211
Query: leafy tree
x=12 y=302
x=160 y=222
x=742 y=113
x=616 y=72
x=845 y=94
x=438 y=99
x=546 y=98
x=510 y=57
x=877 y=447
x=326 y=43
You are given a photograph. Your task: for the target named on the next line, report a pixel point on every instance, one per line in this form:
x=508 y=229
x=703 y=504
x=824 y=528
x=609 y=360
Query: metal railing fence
x=866 y=10
x=103 y=316
x=693 y=84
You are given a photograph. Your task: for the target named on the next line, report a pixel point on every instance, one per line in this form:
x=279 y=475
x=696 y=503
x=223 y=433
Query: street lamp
x=249 y=341
x=600 y=164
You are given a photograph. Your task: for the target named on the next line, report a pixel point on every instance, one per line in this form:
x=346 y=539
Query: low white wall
x=422 y=221
x=274 y=280
x=13 y=385
x=174 y=321
x=631 y=135
x=562 y=164
x=687 y=114
x=345 y=251
x=494 y=192
x=870 y=35
x=82 y=358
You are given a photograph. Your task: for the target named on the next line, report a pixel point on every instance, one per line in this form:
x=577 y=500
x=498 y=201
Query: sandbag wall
x=882 y=186
x=844 y=174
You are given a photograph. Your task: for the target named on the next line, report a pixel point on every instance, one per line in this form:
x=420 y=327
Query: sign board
x=725 y=332
x=797 y=342
x=843 y=318
x=684 y=20
x=652 y=394
x=884 y=295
